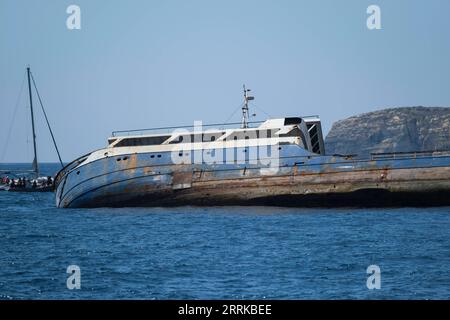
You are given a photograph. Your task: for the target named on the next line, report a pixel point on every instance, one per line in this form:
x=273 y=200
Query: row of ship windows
x=201 y=137
x=180 y=154
x=159 y=156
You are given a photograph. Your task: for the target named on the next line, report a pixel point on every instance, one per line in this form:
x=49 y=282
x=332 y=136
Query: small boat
x=30 y=180
x=40 y=184
x=39 y=188
x=278 y=162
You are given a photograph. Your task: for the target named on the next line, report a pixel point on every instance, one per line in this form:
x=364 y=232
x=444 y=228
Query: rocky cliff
x=391 y=130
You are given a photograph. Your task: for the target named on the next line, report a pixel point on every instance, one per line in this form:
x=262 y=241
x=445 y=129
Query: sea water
x=220 y=252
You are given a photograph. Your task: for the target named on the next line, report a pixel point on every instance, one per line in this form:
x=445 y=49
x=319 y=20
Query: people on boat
x=5 y=180
x=20 y=183
x=24 y=183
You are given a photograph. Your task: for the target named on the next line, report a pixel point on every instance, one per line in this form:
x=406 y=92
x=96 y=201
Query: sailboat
x=30 y=180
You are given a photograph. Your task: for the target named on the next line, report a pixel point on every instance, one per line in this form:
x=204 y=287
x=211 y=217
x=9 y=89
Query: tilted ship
x=278 y=162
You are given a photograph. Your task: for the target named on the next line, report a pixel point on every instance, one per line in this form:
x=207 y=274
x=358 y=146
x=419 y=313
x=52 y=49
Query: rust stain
x=132 y=163
x=181 y=180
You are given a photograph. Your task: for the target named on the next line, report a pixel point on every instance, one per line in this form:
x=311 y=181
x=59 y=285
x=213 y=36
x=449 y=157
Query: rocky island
x=391 y=130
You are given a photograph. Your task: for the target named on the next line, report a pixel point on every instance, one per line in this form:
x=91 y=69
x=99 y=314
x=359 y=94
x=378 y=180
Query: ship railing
x=218 y=126
x=408 y=154
x=68 y=167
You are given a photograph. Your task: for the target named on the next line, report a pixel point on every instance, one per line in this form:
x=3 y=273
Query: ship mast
x=247 y=98
x=35 y=163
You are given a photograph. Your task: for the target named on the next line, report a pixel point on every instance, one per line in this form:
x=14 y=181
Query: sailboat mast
x=35 y=163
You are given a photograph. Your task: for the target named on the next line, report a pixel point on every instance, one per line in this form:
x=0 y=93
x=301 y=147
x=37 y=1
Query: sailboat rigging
x=36 y=183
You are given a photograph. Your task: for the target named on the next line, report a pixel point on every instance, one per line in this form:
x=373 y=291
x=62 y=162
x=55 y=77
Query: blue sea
x=220 y=252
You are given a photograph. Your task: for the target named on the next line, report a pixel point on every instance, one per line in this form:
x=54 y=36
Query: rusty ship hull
x=300 y=180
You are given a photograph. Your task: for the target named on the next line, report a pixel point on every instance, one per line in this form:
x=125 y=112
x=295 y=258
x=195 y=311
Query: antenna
x=247 y=98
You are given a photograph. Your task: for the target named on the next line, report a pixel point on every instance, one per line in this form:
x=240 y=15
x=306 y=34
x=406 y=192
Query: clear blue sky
x=150 y=63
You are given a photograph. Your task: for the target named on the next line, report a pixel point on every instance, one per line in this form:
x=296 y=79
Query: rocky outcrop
x=391 y=130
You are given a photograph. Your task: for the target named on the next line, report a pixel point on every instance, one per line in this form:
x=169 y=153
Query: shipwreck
x=278 y=162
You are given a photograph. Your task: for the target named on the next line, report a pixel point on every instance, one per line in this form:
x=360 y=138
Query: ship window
x=152 y=156
x=125 y=158
x=264 y=133
x=256 y=134
x=181 y=139
x=178 y=140
x=198 y=137
x=141 y=141
x=118 y=159
x=290 y=121
x=159 y=156
x=207 y=137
